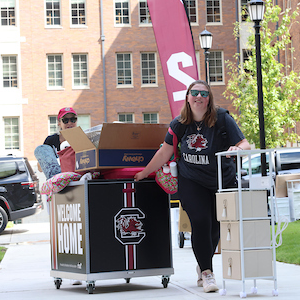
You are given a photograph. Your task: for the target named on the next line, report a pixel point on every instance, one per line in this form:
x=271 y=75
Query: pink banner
x=175 y=47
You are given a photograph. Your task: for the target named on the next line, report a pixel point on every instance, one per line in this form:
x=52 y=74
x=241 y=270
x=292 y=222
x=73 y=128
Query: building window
x=11 y=133
x=52 y=125
x=124 y=69
x=84 y=121
x=244 y=9
x=8 y=17
x=80 y=70
x=287 y=4
x=150 y=118
x=55 y=73
x=78 y=12
x=216 y=66
x=10 y=74
x=213 y=11
x=192 y=10
x=53 y=12
x=122 y=12
x=148 y=68
x=246 y=54
x=125 y=118
x=144 y=12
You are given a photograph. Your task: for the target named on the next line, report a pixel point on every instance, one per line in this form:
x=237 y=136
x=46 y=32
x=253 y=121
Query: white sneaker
x=200 y=280
x=209 y=281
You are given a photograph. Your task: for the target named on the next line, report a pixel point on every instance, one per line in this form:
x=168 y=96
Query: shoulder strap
x=181 y=132
x=221 y=125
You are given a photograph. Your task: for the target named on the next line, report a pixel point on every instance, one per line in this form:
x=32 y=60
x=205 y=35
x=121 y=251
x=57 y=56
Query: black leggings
x=200 y=205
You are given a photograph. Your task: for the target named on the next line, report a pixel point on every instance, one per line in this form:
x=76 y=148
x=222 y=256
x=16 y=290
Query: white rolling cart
x=248 y=249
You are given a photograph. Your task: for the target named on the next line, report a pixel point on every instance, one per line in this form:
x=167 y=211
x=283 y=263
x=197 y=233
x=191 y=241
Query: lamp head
x=205 y=38
x=256 y=9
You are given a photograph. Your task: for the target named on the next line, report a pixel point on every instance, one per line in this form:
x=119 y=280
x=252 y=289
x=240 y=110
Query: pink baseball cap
x=66 y=110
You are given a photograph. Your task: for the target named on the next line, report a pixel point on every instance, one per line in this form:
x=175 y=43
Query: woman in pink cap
x=67 y=118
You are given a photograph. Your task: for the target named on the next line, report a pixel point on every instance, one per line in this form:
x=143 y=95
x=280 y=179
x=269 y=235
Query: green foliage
x=2 y=252
x=280 y=90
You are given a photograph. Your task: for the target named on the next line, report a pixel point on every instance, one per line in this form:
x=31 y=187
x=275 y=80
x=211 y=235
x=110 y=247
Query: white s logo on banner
x=176 y=73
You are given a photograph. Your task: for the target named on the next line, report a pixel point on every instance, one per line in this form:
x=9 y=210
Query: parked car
x=19 y=190
x=285 y=161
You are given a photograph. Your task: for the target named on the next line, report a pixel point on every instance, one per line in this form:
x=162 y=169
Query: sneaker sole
x=211 y=288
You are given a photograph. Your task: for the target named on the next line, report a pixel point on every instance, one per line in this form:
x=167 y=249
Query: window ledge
x=80 y=88
x=125 y=86
x=145 y=25
x=217 y=83
x=214 y=23
x=78 y=26
x=55 y=88
x=53 y=27
x=149 y=85
x=122 y=25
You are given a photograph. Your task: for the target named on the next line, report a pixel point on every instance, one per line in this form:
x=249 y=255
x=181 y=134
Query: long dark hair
x=210 y=117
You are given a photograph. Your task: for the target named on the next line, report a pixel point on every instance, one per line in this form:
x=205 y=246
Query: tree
x=280 y=90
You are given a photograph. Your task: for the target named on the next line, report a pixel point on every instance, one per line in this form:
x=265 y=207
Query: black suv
x=19 y=190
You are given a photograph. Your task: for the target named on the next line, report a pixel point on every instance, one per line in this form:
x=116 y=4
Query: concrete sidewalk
x=25 y=274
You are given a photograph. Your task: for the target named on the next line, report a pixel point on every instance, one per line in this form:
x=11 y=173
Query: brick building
x=57 y=53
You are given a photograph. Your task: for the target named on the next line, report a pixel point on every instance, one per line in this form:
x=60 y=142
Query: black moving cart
x=109 y=229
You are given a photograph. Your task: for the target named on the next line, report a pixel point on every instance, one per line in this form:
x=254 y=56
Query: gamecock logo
x=197 y=142
x=128 y=226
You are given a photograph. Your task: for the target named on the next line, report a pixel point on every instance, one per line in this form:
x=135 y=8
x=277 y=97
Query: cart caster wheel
x=243 y=295
x=222 y=292
x=275 y=293
x=165 y=280
x=254 y=290
x=57 y=283
x=181 y=239
x=90 y=287
x=127 y=280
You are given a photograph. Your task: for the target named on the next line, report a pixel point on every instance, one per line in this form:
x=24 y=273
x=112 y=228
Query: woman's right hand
x=161 y=157
x=139 y=176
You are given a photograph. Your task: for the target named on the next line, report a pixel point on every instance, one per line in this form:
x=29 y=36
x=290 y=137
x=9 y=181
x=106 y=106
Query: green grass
x=2 y=252
x=288 y=252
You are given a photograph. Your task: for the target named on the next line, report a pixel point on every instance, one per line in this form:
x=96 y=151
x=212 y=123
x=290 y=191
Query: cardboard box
x=184 y=224
x=281 y=186
x=254 y=205
x=255 y=234
x=121 y=145
x=257 y=263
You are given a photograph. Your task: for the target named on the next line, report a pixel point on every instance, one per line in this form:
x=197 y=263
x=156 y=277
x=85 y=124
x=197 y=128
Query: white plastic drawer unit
x=257 y=263
x=255 y=233
x=254 y=205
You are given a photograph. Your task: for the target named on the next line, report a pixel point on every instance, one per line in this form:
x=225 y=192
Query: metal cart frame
x=261 y=183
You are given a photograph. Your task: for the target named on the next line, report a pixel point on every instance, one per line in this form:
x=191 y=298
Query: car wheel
x=3 y=219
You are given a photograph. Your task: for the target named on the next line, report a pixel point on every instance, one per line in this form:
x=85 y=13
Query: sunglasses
x=66 y=120
x=195 y=93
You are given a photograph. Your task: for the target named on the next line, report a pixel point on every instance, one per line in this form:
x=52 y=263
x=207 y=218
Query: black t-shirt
x=53 y=140
x=198 y=161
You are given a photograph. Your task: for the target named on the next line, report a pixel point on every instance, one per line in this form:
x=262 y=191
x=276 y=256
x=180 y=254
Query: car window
x=255 y=164
x=7 y=169
x=289 y=160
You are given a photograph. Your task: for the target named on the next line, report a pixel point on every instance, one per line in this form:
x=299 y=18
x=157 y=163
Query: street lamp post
x=205 y=38
x=256 y=10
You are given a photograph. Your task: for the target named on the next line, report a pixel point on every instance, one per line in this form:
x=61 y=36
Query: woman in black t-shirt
x=197 y=171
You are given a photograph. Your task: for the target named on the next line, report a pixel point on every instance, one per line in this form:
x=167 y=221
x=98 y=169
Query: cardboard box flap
x=132 y=136
x=77 y=139
x=281 y=186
